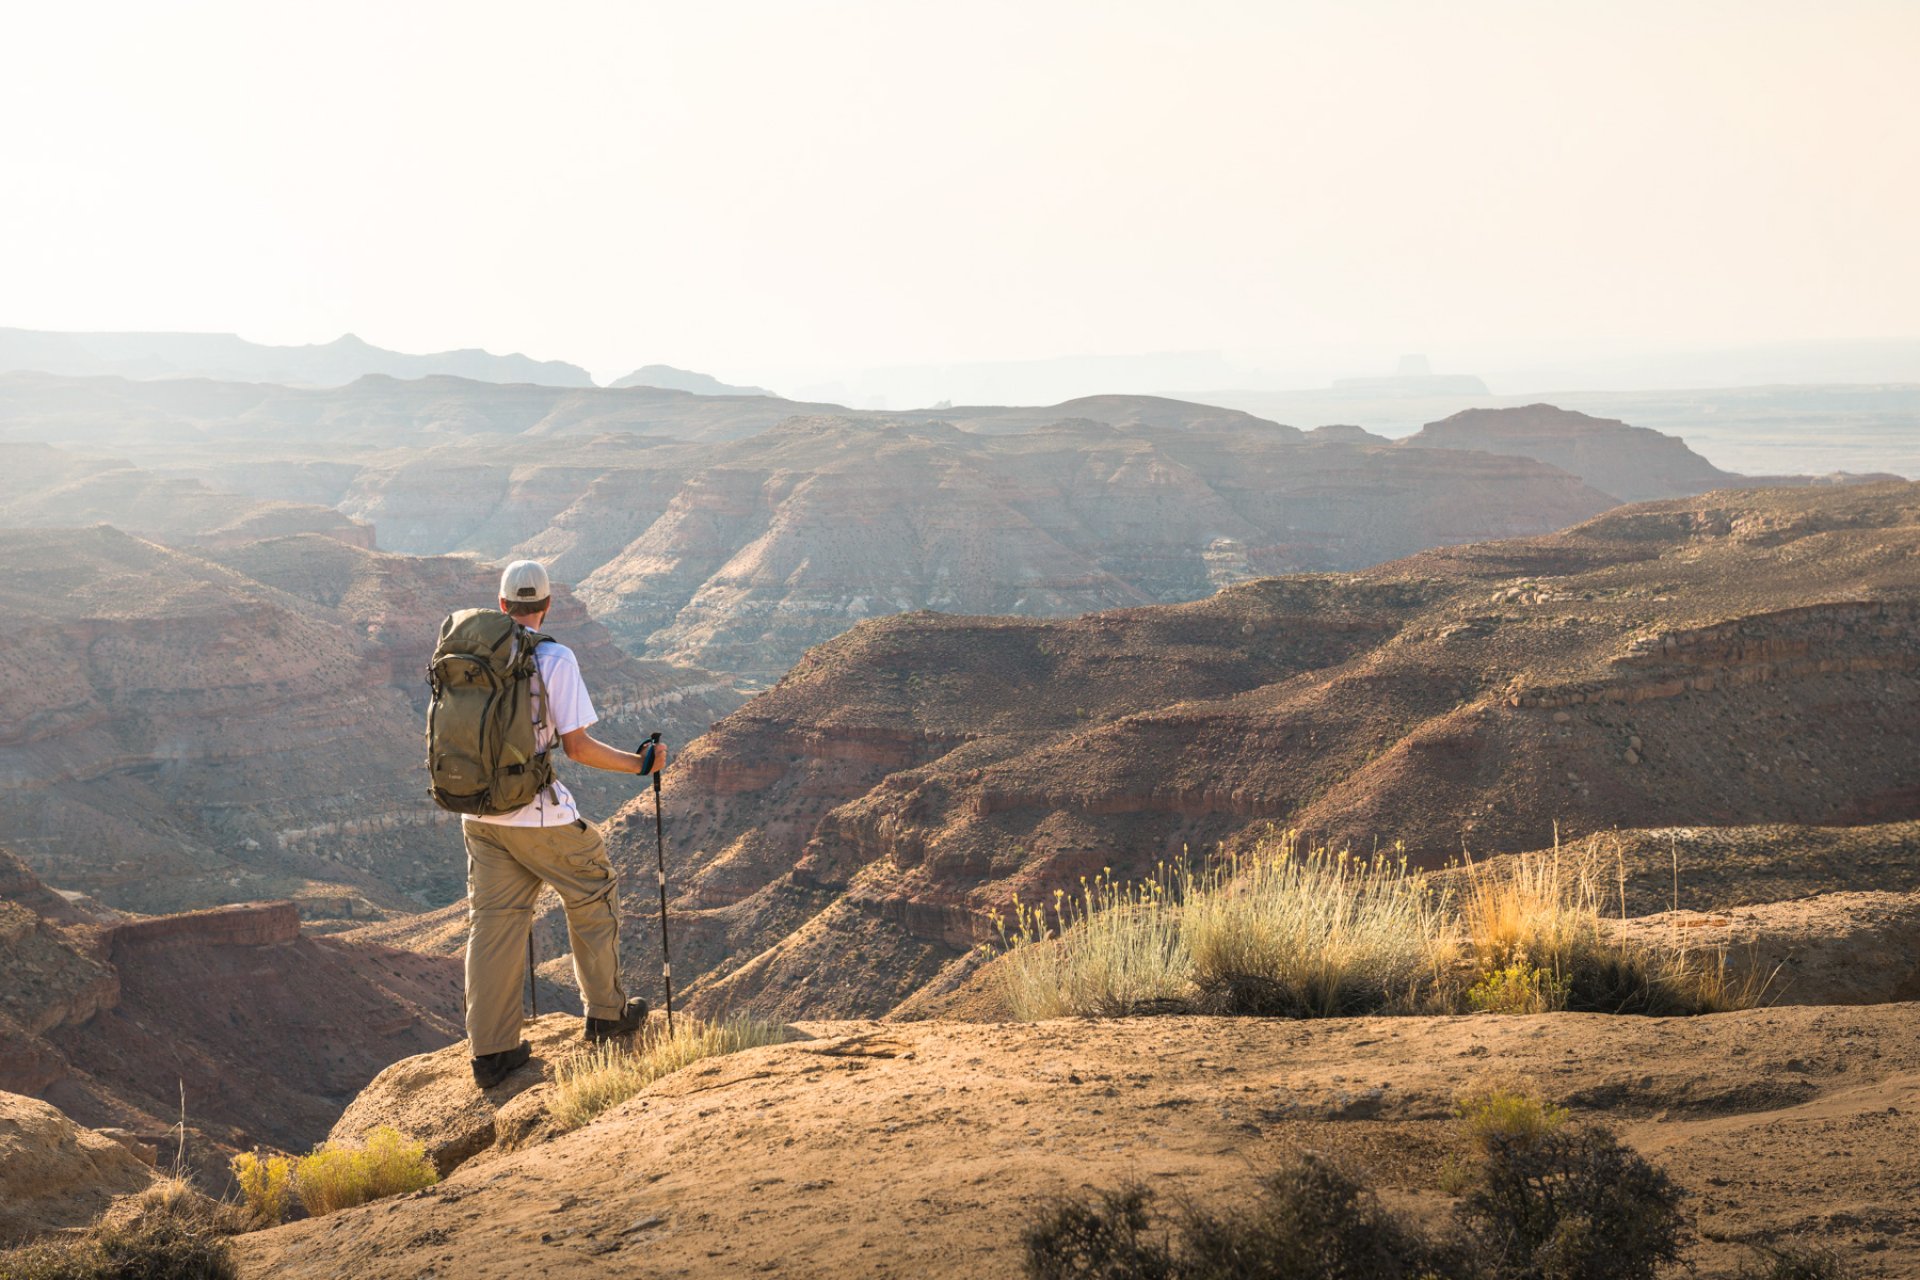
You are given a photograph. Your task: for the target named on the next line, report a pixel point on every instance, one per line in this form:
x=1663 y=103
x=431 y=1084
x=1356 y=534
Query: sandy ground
x=921 y=1149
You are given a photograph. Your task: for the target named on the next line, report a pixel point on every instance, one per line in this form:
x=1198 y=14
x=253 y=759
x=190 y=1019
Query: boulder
x=431 y=1097
x=55 y=1174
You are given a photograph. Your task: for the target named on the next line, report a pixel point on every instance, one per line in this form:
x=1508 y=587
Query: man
x=510 y=855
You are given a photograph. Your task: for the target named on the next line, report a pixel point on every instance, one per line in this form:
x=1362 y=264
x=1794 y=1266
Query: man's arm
x=590 y=751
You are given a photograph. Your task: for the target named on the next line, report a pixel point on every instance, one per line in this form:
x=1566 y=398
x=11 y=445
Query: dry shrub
x=339 y=1177
x=1795 y=1262
x=1309 y=1220
x=1569 y=1201
x=1543 y=1200
x=606 y=1075
x=161 y=1246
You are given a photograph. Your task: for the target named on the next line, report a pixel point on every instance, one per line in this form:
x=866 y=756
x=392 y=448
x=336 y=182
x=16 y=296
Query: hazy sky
x=775 y=192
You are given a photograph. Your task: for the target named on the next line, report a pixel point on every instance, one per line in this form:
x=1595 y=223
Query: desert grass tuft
x=1110 y=949
x=596 y=1079
x=1313 y=934
x=336 y=1177
x=1538 y=929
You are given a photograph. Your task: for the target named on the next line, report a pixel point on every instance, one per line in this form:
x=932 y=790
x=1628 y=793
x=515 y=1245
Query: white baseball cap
x=525 y=580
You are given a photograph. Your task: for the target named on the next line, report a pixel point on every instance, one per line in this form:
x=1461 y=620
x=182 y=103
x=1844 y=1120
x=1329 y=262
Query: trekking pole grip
x=649 y=751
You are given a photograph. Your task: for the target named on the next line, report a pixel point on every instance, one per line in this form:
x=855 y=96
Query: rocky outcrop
x=431 y=1098
x=260 y=924
x=54 y=1173
x=51 y=980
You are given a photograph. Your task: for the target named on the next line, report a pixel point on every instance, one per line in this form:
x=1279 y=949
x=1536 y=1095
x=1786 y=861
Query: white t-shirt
x=560 y=705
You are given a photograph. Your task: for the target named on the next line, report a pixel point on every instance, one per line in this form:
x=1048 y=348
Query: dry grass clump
x=606 y=1075
x=1110 y=950
x=1289 y=932
x=1312 y=934
x=1278 y=931
x=338 y=1177
x=1537 y=928
x=159 y=1249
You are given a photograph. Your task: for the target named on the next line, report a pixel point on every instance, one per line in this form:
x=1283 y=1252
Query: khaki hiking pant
x=505 y=868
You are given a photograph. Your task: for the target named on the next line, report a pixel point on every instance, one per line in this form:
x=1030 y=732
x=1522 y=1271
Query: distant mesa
x=1635 y=464
x=1344 y=433
x=232 y=358
x=1414 y=377
x=672 y=379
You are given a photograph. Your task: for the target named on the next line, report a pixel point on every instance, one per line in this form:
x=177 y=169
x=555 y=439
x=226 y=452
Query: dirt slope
x=917 y=1150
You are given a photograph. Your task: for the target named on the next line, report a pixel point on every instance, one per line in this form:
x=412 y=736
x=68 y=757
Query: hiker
x=513 y=851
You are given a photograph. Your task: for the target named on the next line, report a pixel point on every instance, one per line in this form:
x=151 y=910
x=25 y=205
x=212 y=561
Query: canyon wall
x=1747 y=658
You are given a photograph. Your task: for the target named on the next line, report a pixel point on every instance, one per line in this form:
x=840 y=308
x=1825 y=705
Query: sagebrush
x=1541 y=1199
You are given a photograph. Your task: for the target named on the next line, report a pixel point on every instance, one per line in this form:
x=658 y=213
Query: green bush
x=265 y=1184
x=1518 y=988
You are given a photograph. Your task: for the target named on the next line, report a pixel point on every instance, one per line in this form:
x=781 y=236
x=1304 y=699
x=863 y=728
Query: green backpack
x=482 y=743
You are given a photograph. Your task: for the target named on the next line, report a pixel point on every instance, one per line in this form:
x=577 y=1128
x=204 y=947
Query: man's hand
x=583 y=747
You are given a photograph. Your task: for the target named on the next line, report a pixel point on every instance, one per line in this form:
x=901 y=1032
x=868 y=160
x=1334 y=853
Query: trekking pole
x=648 y=752
x=533 y=984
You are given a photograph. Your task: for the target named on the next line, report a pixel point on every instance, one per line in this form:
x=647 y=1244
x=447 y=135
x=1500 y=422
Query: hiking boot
x=489 y=1069
x=620 y=1028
